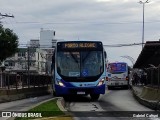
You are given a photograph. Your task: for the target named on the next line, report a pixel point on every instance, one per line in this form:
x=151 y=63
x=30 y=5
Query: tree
x=8 y=43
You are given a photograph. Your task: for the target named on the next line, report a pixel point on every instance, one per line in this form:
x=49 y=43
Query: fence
x=151 y=78
x=16 y=81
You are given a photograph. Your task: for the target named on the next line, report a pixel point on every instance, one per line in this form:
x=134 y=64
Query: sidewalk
x=147 y=96
x=137 y=89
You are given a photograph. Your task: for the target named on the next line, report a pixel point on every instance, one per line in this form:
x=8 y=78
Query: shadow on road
x=78 y=98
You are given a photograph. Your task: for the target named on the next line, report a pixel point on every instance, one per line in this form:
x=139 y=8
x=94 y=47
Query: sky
x=110 y=21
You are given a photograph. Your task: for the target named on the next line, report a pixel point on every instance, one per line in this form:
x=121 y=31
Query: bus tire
x=54 y=94
x=94 y=96
x=66 y=98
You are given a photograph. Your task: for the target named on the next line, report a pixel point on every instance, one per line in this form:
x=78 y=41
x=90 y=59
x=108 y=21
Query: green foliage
x=8 y=43
x=47 y=109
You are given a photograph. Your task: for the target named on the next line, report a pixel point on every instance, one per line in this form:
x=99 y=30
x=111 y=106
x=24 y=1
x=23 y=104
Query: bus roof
x=116 y=62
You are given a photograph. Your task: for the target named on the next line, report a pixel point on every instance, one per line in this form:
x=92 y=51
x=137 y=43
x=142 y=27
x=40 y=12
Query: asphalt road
x=114 y=105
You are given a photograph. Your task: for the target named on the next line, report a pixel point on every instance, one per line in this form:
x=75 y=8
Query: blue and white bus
x=79 y=68
x=117 y=75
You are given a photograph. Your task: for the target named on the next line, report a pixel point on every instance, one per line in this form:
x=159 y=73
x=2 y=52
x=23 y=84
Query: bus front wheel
x=94 y=96
x=54 y=94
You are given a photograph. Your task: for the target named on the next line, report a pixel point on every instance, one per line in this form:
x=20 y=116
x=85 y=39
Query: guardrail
x=153 y=76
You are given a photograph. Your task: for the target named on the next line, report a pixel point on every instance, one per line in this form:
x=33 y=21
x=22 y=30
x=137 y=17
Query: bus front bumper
x=60 y=91
x=117 y=83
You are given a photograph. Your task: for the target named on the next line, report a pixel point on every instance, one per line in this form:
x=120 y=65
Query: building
x=149 y=56
x=47 y=43
x=148 y=62
x=46 y=38
x=36 y=58
x=34 y=43
x=29 y=59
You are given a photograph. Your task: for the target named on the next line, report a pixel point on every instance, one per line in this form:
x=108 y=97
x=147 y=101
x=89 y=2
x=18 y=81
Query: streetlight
x=143 y=2
x=129 y=58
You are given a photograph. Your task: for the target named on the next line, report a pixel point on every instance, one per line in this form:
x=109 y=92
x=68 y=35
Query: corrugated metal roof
x=149 y=55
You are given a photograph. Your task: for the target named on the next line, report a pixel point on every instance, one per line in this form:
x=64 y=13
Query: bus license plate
x=80 y=93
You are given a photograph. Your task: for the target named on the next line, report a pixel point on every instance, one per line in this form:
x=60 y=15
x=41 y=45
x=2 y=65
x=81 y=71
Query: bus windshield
x=79 y=63
x=117 y=68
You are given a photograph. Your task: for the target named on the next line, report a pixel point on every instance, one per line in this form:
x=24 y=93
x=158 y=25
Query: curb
x=154 y=105
x=61 y=104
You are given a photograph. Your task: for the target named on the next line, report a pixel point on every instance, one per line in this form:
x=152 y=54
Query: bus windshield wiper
x=74 y=58
x=86 y=56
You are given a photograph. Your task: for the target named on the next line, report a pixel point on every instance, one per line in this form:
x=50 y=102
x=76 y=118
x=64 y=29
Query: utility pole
x=28 y=66
x=143 y=3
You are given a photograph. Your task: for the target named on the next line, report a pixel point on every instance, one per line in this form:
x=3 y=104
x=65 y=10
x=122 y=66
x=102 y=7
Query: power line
x=123 y=45
x=94 y=23
x=111 y=45
x=105 y=45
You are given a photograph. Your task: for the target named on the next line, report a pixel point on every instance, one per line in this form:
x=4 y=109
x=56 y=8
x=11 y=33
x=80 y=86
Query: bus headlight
x=61 y=84
x=101 y=82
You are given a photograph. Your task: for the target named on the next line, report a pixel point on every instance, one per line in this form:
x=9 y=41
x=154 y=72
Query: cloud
x=111 y=21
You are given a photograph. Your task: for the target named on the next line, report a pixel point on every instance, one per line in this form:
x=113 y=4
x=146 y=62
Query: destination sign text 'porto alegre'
x=80 y=45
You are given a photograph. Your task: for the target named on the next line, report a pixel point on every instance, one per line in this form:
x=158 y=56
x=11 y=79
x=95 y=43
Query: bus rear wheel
x=94 y=96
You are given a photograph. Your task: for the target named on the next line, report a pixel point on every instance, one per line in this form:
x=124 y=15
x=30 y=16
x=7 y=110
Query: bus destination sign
x=79 y=45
